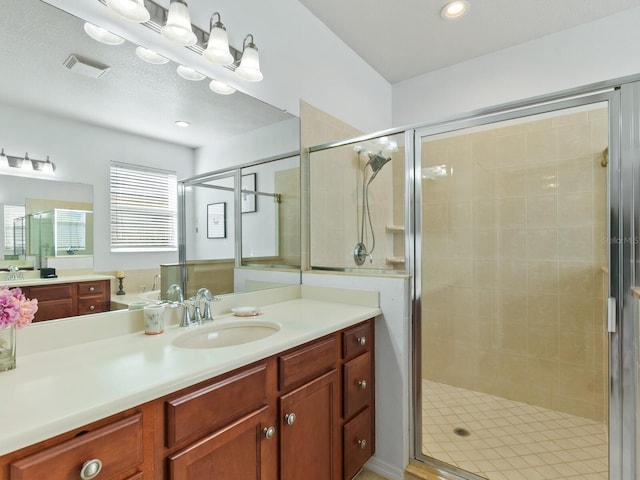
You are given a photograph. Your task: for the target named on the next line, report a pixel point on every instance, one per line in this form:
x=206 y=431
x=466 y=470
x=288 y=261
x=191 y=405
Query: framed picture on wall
x=249 y=183
x=217 y=220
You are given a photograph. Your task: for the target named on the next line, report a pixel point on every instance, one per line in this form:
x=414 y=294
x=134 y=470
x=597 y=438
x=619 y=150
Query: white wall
x=601 y=50
x=82 y=153
x=276 y=139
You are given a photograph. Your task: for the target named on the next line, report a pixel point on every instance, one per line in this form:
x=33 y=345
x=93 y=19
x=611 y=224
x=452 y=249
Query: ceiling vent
x=86 y=66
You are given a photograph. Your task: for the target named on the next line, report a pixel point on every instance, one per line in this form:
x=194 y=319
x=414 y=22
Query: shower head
x=376 y=162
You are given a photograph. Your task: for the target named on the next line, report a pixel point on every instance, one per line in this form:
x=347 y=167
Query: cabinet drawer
x=91 y=288
x=92 y=304
x=358 y=384
x=307 y=362
x=118 y=446
x=357 y=441
x=209 y=408
x=52 y=309
x=51 y=292
x=356 y=341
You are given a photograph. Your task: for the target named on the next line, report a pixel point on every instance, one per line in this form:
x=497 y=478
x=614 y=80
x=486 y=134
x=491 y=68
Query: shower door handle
x=611 y=315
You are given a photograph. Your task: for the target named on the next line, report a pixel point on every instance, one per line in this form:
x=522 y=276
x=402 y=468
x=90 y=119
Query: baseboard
x=382 y=468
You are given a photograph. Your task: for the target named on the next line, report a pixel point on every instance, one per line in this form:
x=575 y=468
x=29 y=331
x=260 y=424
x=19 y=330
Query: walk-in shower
x=366 y=232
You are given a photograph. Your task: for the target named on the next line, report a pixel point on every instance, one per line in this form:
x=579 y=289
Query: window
x=143 y=209
x=14 y=242
x=71 y=231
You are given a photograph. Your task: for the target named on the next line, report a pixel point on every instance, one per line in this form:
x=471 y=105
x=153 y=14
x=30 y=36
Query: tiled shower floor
x=510 y=440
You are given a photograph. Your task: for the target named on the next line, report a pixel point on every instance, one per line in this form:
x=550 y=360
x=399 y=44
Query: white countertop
x=28 y=282
x=55 y=390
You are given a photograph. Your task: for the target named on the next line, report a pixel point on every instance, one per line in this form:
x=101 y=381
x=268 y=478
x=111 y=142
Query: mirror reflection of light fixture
x=133 y=10
x=249 y=68
x=4 y=161
x=10 y=163
x=217 y=50
x=189 y=73
x=221 y=88
x=150 y=56
x=101 y=35
x=178 y=27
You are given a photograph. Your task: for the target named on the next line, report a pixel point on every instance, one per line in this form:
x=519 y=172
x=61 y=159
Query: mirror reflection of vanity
x=83 y=124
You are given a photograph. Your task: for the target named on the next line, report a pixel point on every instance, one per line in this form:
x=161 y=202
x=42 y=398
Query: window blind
x=71 y=227
x=143 y=209
x=13 y=233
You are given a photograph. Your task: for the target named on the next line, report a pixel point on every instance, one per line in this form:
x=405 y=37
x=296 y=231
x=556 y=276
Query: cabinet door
x=234 y=452
x=309 y=447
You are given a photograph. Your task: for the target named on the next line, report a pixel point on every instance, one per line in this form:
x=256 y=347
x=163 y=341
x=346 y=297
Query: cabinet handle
x=92 y=289
x=290 y=418
x=361 y=341
x=92 y=308
x=90 y=469
x=269 y=432
x=362 y=384
x=362 y=444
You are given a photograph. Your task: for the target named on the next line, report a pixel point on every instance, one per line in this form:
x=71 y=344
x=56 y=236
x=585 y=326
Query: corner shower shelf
x=394 y=228
x=394 y=260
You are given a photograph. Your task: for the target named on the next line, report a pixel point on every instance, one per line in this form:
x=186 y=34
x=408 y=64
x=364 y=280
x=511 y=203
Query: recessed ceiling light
x=189 y=73
x=150 y=56
x=101 y=35
x=182 y=123
x=455 y=9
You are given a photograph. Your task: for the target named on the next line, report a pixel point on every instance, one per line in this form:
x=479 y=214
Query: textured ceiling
x=35 y=40
x=401 y=39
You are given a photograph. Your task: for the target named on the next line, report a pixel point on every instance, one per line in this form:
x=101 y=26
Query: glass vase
x=7 y=348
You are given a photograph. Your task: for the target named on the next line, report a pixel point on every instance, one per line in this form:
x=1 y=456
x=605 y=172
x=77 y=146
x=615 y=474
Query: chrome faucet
x=14 y=273
x=155 y=282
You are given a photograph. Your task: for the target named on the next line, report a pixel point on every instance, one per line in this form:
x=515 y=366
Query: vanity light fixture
x=150 y=56
x=101 y=35
x=455 y=9
x=221 y=88
x=23 y=164
x=178 y=27
x=217 y=50
x=189 y=73
x=133 y=10
x=249 y=68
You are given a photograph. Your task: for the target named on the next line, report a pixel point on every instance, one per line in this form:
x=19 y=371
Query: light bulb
x=217 y=50
x=249 y=68
x=221 y=88
x=455 y=9
x=101 y=35
x=189 y=73
x=150 y=56
x=178 y=27
x=133 y=10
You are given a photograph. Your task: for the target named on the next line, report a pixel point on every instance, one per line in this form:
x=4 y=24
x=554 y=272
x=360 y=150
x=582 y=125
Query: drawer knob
x=361 y=341
x=362 y=444
x=269 y=432
x=92 y=289
x=90 y=469
x=92 y=308
x=362 y=384
x=290 y=418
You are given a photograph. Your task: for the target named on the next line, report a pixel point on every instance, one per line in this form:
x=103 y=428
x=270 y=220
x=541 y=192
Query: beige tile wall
x=515 y=242
x=336 y=203
x=287 y=183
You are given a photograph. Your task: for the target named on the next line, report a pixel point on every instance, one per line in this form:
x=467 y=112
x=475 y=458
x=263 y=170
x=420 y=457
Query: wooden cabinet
x=60 y=300
x=113 y=450
x=358 y=415
x=306 y=413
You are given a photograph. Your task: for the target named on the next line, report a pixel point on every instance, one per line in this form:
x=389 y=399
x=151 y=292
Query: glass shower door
x=512 y=281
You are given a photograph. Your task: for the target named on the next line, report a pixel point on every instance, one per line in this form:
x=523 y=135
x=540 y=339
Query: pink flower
x=15 y=308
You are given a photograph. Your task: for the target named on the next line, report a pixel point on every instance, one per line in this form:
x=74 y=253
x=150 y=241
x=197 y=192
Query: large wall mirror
x=127 y=115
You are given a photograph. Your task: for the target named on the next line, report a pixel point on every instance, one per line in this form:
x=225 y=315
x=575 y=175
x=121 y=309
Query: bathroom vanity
x=298 y=404
x=67 y=296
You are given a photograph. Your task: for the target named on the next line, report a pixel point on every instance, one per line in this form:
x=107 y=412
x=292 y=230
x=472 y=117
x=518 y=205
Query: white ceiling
x=402 y=39
x=35 y=40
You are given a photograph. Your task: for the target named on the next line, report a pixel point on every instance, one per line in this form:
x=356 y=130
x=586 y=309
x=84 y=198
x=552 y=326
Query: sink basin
x=150 y=296
x=228 y=335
